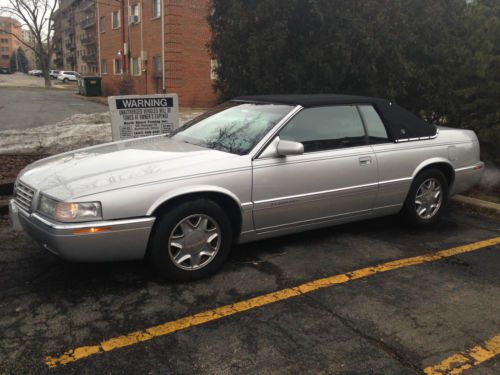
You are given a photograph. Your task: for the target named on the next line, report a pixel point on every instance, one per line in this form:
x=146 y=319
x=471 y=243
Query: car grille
x=23 y=196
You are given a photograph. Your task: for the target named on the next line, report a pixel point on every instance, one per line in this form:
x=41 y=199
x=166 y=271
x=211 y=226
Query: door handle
x=365 y=160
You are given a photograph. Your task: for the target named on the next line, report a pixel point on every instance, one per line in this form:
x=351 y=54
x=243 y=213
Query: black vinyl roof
x=400 y=123
x=313 y=100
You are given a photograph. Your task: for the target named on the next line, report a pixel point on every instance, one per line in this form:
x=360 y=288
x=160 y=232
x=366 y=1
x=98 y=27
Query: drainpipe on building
x=98 y=39
x=163 y=45
x=129 y=41
x=125 y=50
x=143 y=54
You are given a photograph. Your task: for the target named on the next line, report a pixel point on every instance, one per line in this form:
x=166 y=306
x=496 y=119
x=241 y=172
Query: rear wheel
x=426 y=199
x=191 y=241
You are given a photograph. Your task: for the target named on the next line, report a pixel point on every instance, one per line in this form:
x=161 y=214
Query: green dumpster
x=89 y=86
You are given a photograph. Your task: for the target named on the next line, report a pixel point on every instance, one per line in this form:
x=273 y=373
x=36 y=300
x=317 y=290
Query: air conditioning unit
x=133 y=19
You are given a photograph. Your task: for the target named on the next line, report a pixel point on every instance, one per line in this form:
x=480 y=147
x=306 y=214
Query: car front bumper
x=119 y=239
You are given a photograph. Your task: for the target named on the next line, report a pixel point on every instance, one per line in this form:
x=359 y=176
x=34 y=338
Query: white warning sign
x=135 y=116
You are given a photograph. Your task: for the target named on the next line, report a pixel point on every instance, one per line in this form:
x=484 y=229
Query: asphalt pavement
x=391 y=308
x=29 y=107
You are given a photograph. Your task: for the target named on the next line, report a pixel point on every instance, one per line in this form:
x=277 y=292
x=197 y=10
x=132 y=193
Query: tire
x=65 y=80
x=179 y=235
x=421 y=207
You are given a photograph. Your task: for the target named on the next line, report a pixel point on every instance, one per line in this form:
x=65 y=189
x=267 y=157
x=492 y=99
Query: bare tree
x=38 y=17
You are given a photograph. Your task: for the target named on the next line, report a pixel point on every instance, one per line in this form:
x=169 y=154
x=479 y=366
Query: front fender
x=190 y=190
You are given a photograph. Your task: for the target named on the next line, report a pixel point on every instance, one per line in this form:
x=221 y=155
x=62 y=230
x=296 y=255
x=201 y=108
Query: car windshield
x=233 y=127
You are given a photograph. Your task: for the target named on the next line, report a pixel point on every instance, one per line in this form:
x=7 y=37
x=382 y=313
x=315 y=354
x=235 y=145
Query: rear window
x=374 y=125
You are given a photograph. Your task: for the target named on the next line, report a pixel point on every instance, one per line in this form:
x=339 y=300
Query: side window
x=326 y=128
x=374 y=125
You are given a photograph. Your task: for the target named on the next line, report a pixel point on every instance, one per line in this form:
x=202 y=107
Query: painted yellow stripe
x=252 y=303
x=458 y=363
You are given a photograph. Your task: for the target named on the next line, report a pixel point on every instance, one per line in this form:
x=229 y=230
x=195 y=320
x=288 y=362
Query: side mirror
x=290 y=148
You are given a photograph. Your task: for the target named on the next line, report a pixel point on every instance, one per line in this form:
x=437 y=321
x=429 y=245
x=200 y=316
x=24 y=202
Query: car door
x=335 y=178
x=395 y=161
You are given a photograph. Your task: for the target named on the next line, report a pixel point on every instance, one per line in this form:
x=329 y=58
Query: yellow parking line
x=458 y=363
x=252 y=303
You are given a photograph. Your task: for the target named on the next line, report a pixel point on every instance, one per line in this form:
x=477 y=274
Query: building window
x=102 y=24
x=157 y=68
x=115 y=19
x=104 y=67
x=135 y=14
x=156 y=6
x=5 y=49
x=4 y=40
x=117 y=66
x=136 y=66
x=213 y=69
x=5 y=57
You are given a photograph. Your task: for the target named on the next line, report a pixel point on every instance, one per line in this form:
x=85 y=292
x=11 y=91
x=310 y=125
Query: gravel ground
x=10 y=165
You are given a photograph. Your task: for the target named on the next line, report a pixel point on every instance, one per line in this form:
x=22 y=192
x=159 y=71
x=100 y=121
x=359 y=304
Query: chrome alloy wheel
x=429 y=198
x=194 y=242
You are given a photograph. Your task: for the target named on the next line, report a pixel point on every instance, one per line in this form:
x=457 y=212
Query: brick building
x=75 y=36
x=160 y=45
x=8 y=42
x=29 y=38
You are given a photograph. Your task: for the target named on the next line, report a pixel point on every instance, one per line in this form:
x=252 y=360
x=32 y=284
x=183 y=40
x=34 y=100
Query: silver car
x=253 y=168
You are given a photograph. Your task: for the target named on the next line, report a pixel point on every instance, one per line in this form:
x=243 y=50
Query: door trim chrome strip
x=315 y=193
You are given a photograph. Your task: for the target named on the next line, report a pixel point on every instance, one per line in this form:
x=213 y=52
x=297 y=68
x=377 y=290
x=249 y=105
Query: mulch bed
x=10 y=165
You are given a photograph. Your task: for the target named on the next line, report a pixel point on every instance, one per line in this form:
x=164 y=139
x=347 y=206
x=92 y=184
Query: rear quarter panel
x=399 y=163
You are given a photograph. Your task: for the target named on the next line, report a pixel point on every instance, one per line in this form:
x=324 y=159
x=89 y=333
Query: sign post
x=134 y=116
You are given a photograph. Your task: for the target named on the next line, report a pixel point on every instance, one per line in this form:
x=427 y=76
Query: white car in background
x=53 y=74
x=65 y=76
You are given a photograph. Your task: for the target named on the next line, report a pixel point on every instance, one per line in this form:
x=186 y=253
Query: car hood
x=120 y=164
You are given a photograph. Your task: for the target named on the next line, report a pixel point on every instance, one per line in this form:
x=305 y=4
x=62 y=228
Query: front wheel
x=191 y=240
x=427 y=198
x=65 y=80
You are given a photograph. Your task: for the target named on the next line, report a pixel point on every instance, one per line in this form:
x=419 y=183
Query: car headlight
x=64 y=211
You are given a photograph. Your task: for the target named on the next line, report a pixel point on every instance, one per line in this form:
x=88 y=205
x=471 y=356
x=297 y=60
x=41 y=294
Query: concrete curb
x=477 y=202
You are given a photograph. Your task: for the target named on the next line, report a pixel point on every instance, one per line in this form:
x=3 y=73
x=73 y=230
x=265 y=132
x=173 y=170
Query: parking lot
x=369 y=297
x=23 y=107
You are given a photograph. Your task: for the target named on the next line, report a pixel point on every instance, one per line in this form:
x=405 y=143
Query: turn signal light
x=92 y=230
